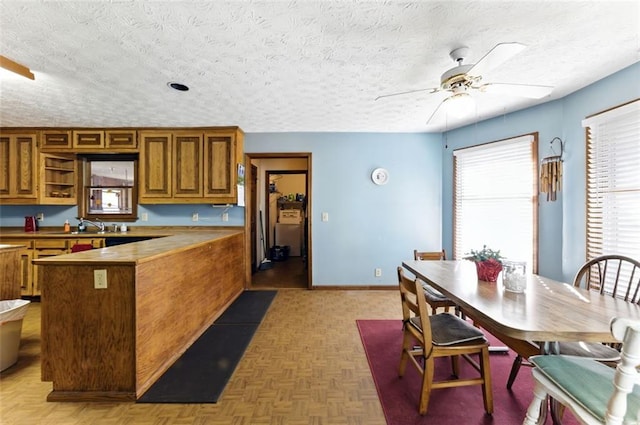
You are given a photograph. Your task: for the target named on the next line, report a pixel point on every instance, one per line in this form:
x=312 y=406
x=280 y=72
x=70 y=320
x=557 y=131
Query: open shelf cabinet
x=58 y=182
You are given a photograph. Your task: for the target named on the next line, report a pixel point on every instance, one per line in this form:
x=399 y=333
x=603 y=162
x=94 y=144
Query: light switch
x=325 y=216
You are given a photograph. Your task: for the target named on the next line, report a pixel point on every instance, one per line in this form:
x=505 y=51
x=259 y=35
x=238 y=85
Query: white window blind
x=495 y=199
x=613 y=182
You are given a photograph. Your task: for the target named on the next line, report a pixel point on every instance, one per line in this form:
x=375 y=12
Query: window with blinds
x=613 y=182
x=496 y=197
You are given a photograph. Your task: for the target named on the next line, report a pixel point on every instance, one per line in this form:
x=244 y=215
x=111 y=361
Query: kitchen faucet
x=99 y=224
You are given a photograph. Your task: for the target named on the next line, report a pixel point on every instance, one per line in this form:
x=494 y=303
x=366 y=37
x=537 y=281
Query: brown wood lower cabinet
x=10 y=271
x=43 y=248
x=161 y=295
x=25 y=272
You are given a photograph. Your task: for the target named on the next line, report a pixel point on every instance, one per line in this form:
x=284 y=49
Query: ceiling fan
x=463 y=79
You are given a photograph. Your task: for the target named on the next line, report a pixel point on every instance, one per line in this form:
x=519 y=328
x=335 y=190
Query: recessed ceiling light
x=178 y=86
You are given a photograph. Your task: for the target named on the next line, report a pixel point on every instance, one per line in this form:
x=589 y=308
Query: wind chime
x=551 y=172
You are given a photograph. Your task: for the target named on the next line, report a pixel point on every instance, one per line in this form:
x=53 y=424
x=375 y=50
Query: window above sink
x=108 y=187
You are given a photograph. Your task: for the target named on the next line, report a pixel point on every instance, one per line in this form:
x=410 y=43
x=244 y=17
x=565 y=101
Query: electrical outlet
x=194 y=216
x=100 y=279
x=378 y=272
x=145 y=217
x=225 y=216
x=40 y=216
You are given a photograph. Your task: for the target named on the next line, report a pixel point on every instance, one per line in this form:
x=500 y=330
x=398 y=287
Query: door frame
x=252 y=209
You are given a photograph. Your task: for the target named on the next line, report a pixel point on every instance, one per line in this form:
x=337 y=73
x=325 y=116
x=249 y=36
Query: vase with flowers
x=488 y=263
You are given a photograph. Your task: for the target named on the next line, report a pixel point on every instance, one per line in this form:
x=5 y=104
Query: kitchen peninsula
x=114 y=319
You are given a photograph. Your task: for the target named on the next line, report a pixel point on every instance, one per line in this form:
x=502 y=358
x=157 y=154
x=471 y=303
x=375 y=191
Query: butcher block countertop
x=6 y=247
x=138 y=252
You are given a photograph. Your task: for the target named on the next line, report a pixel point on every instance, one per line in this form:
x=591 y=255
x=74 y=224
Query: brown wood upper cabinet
x=222 y=154
x=189 y=166
x=121 y=140
x=18 y=167
x=56 y=140
x=154 y=167
x=27 y=177
x=89 y=140
x=58 y=179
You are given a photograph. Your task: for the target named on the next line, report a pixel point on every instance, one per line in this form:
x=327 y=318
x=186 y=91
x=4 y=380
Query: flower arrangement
x=488 y=263
x=483 y=255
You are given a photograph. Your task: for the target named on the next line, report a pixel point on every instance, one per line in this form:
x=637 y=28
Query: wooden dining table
x=547 y=310
x=531 y=322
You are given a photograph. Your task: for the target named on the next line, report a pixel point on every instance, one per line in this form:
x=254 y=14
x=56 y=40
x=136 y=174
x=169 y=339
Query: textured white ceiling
x=280 y=66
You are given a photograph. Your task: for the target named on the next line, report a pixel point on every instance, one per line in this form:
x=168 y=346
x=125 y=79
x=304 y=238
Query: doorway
x=278 y=216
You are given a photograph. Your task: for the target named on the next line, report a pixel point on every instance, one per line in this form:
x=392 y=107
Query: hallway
x=287 y=274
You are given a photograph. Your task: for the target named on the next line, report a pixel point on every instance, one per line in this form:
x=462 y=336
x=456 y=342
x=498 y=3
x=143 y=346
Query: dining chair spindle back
x=613 y=275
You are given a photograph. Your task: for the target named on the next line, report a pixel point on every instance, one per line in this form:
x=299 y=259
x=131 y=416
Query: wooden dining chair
x=611 y=275
x=427 y=337
x=435 y=298
x=595 y=393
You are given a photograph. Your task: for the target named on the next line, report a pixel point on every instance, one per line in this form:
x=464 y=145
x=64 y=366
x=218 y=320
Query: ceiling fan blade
x=430 y=90
x=499 y=54
x=433 y=114
x=524 y=90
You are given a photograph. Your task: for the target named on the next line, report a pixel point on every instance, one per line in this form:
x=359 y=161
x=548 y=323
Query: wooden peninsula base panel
x=10 y=271
x=113 y=343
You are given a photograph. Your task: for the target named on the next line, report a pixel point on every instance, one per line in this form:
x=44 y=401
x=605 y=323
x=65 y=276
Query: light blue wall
x=561 y=223
x=369 y=226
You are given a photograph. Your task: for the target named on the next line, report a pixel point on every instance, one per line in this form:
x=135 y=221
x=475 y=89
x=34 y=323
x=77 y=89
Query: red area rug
x=382 y=340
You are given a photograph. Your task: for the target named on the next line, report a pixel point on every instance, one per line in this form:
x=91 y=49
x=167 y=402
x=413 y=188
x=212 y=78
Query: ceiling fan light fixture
x=460 y=104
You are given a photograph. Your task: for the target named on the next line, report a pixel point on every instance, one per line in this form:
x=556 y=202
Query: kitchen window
x=109 y=190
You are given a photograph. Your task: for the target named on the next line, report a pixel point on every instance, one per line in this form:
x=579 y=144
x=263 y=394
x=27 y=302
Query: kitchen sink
x=112 y=241
x=74 y=233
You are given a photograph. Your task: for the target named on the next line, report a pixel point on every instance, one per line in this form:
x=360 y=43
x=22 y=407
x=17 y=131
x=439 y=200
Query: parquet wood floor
x=305 y=366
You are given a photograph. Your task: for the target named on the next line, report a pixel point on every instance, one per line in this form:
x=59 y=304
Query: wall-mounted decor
x=551 y=171
x=380 y=176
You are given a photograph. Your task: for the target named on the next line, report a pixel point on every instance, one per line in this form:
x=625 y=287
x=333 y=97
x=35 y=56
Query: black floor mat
x=249 y=307
x=202 y=372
